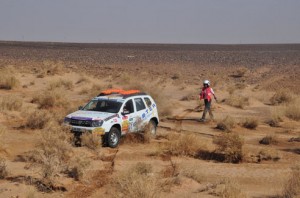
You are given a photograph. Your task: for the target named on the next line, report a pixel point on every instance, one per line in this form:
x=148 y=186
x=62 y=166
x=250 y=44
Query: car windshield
x=109 y=106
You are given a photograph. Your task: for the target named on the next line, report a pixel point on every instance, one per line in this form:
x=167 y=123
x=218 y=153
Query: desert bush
x=11 y=102
x=8 y=78
x=193 y=173
x=137 y=182
x=268 y=154
x=281 y=96
x=3 y=168
x=78 y=167
x=49 y=99
x=292 y=186
x=83 y=79
x=292 y=110
x=230 y=189
x=231 y=146
x=91 y=140
x=37 y=119
x=2 y=140
x=185 y=145
x=269 y=139
x=250 y=123
x=53 y=68
x=238 y=101
x=227 y=124
x=61 y=83
x=240 y=72
x=53 y=151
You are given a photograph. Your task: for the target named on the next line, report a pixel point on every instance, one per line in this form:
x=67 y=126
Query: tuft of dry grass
x=3 y=149
x=8 y=78
x=37 y=119
x=11 y=103
x=78 y=167
x=269 y=139
x=137 y=181
x=292 y=186
x=53 y=152
x=281 y=96
x=238 y=101
x=250 y=123
x=83 y=79
x=183 y=145
x=91 y=140
x=231 y=189
x=3 y=169
x=240 y=72
x=227 y=124
x=193 y=173
x=268 y=154
x=61 y=83
x=292 y=110
x=49 y=99
x=230 y=145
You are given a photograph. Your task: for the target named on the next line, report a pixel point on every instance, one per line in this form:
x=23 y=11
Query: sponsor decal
x=99 y=131
x=110 y=117
x=125 y=126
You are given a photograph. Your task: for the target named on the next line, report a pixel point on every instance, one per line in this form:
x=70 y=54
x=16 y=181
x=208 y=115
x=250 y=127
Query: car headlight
x=67 y=120
x=97 y=123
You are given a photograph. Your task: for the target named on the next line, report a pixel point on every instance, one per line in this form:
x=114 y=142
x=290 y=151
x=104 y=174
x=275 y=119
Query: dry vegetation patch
x=11 y=103
x=230 y=145
x=250 y=123
x=91 y=140
x=8 y=78
x=236 y=100
x=292 y=110
x=49 y=99
x=227 y=124
x=183 y=145
x=281 y=96
x=137 y=181
x=269 y=139
x=61 y=83
x=3 y=168
x=292 y=186
x=38 y=119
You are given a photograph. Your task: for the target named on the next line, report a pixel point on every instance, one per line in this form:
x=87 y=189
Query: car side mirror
x=80 y=107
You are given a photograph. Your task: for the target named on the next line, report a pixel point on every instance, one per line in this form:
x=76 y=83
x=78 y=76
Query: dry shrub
x=2 y=140
x=183 y=145
x=137 y=181
x=11 y=103
x=281 y=96
x=91 y=140
x=54 y=68
x=78 y=167
x=230 y=189
x=3 y=168
x=240 y=72
x=49 y=99
x=227 y=124
x=53 y=152
x=61 y=83
x=238 y=101
x=83 y=79
x=292 y=186
x=193 y=173
x=269 y=139
x=268 y=154
x=8 y=78
x=38 y=119
x=230 y=145
x=292 y=110
x=250 y=123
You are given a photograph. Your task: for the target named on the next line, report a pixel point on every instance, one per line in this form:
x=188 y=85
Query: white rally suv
x=114 y=113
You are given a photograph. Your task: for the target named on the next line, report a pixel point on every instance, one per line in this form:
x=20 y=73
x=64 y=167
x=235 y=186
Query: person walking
x=206 y=93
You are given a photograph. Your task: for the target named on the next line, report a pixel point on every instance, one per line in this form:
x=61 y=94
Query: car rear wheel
x=113 y=137
x=152 y=128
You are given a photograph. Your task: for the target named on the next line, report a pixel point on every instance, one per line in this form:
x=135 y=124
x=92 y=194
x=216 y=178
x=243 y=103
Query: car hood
x=90 y=115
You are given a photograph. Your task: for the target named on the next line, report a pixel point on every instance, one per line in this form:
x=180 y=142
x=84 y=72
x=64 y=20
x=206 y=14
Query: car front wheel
x=113 y=137
x=152 y=128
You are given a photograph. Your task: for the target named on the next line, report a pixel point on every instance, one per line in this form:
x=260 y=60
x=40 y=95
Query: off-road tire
x=152 y=128
x=113 y=137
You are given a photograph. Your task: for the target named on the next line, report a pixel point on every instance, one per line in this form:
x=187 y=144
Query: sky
x=151 y=21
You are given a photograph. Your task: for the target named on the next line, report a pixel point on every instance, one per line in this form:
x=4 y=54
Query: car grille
x=85 y=123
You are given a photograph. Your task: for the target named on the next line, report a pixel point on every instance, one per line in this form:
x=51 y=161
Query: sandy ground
x=253 y=179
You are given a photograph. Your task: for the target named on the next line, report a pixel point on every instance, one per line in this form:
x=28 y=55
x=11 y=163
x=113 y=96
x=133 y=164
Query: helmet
x=206 y=82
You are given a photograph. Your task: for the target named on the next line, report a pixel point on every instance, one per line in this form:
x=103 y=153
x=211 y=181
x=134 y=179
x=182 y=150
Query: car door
x=140 y=108
x=128 y=117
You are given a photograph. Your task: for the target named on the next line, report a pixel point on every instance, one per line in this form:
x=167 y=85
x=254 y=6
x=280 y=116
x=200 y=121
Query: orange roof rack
x=118 y=91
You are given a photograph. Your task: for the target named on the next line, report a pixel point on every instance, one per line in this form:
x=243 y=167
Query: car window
x=148 y=102
x=109 y=106
x=139 y=103
x=128 y=106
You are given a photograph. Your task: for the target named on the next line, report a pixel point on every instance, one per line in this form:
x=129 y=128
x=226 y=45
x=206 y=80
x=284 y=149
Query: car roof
x=119 y=97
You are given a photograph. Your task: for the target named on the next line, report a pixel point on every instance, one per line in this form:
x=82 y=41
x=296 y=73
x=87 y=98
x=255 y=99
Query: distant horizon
x=61 y=42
